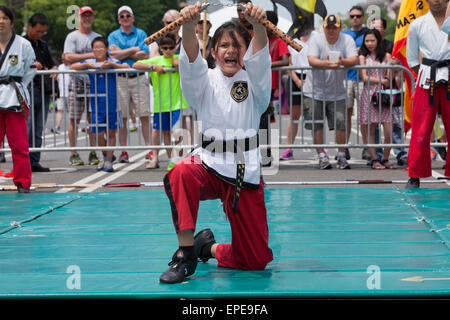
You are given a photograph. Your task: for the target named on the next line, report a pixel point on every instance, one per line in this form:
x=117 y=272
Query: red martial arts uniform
x=423 y=119
x=14 y=125
x=17 y=69
x=189 y=182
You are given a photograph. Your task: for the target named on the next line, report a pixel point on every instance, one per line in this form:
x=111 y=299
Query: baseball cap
x=332 y=20
x=124 y=8
x=85 y=9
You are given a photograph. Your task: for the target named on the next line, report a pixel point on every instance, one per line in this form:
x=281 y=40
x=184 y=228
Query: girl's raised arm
x=254 y=14
x=191 y=15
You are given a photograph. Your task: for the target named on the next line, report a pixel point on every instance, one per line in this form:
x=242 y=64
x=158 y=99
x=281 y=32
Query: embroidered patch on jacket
x=239 y=91
x=13 y=60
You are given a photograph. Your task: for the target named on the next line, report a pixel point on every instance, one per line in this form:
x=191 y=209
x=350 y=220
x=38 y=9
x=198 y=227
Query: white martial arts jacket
x=424 y=36
x=19 y=61
x=229 y=108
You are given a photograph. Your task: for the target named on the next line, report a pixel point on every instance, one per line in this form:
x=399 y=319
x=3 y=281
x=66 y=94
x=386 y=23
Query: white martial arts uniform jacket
x=424 y=36
x=20 y=61
x=229 y=108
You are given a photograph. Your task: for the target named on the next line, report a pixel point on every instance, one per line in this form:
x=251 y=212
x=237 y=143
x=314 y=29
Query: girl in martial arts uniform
x=229 y=101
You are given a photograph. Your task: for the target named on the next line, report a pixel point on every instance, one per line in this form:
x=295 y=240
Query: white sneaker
x=342 y=163
x=324 y=163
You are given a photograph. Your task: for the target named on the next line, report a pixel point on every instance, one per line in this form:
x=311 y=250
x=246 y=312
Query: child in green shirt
x=168 y=99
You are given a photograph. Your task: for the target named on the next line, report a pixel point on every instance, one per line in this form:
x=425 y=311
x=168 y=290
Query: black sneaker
x=202 y=244
x=413 y=183
x=180 y=268
x=36 y=167
x=21 y=189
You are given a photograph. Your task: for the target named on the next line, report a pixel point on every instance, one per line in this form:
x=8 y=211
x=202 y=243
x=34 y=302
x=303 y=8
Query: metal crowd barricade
x=59 y=142
x=81 y=96
x=285 y=83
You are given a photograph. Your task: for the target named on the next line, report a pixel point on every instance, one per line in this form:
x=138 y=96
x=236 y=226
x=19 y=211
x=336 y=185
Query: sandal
x=388 y=165
x=376 y=165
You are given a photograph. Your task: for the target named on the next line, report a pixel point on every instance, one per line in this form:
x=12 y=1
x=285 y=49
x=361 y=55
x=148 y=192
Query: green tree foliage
x=62 y=15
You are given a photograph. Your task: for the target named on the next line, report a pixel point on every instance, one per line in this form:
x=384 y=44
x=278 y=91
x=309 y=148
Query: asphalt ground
x=298 y=173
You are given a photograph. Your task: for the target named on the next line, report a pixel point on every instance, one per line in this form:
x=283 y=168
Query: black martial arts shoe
x=203 y=242
x=21 y=189
x=36 y=167
x=183 y=265
x=413 y=183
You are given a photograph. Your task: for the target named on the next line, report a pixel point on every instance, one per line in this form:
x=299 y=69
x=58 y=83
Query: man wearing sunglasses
x=127 y=45
x=354 y=83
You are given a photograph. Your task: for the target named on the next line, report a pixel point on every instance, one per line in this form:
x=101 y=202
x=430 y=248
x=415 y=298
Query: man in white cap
x=127 y=45
x=77 y=47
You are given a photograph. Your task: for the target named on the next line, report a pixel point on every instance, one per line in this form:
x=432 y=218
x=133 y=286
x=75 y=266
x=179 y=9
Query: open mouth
x=230 y=61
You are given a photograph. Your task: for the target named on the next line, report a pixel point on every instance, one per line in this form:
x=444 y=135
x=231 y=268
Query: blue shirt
x=124 y=41
x=351 y=74
x=98 y=85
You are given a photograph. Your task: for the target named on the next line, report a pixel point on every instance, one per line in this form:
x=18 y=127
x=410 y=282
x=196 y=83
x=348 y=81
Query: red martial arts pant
x=423 y=119
x=14 y=124
x=189 y=182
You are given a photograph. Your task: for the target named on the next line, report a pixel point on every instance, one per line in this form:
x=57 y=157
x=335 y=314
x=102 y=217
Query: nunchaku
x=266 y=23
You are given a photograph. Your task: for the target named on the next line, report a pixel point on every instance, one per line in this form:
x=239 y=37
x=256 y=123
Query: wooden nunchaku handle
x=266 y=23
x=161 y=33
x=283 y=36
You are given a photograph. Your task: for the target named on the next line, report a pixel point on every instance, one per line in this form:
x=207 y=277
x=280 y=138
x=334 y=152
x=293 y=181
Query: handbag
x=387 y=97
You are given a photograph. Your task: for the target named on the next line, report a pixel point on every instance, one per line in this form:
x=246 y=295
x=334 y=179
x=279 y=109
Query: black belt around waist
x=8 y=79
x=130 y=75
x=434 y=65
x=237 y=146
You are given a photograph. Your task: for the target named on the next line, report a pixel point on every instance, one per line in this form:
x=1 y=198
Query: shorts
x=296 y=92
x=354 y=89
x=78 y=98
x=165 y=119
x=61 y=103
x=134 y=93
x=318 y=107
x=110 y=120
x=188 y=111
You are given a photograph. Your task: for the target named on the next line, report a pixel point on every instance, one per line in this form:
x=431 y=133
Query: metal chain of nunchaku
x=269 y=25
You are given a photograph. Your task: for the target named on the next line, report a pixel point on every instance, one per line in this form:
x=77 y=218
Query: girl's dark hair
x=380 y=49
x=8 y=12
x=169 y=39
x=230 y=27
x=100 y=39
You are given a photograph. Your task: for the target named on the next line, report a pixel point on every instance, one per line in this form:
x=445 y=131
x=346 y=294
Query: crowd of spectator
x=108 y=115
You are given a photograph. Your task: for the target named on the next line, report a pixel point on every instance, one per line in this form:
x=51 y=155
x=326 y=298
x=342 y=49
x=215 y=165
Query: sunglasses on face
x=168 y=48
x=168 y=22
x=123 y=16
x=355 y=16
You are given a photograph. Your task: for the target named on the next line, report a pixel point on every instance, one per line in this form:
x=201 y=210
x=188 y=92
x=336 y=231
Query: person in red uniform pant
x=432 y=93
x=17 y=69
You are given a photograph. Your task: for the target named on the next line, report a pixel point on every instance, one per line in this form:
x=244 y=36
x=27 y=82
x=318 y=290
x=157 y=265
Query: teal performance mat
x=326 y=243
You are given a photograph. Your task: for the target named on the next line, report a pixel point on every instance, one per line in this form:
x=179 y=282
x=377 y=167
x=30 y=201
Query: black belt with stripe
x=237 y=146
x=434 y=65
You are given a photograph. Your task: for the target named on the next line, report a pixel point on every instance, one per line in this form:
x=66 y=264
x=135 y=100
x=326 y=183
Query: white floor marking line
x=102 y=173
